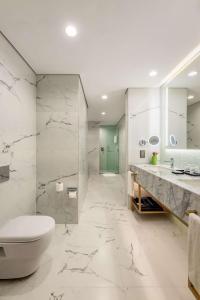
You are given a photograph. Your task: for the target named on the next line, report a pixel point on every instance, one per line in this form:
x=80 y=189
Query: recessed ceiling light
x=190 y=97
x=192 y=73
x=71 y=31
x=103 y=113
x=104 y=97
x=153 y=73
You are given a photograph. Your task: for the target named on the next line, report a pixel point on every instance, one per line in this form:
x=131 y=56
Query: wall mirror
x=182 y=108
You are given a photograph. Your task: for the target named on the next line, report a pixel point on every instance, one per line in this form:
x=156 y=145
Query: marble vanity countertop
x=178 y=193
x=186 y=182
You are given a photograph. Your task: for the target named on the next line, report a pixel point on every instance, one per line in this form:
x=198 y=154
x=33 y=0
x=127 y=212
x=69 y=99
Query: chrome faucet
x=171 y=161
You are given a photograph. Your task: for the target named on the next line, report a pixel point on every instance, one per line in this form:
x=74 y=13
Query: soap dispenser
x=154 y=158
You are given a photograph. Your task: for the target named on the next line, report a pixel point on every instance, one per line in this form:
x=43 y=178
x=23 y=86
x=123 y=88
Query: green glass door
x=109 y=150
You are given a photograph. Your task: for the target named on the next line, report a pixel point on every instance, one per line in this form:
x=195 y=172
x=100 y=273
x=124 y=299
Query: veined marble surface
x=122 y=146
x=17 y=133
x=93 y=147
x=171 y=189
x=193 y=126
x=57 y=145
x=61 y=145
x=112 y=254
x=143 y=121
x=82 y=149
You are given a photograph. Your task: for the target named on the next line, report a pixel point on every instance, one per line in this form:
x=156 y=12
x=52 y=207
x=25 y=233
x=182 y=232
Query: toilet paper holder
x=191 y=211
x=72 y=192
x=59 y=186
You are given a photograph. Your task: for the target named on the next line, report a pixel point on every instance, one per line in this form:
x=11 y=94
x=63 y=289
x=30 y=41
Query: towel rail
x=191 y=211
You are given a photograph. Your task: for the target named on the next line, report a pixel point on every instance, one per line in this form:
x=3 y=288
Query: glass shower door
x=109 y=149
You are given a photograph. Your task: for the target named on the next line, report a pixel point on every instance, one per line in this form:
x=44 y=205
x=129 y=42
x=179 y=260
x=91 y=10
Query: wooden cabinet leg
x=140 y=197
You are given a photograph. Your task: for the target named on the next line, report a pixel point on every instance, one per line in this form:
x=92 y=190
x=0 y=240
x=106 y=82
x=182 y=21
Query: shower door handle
x=102 y=149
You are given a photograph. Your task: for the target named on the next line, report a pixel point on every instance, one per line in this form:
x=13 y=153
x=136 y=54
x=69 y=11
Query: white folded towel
x=194 y=251
x=130 y=183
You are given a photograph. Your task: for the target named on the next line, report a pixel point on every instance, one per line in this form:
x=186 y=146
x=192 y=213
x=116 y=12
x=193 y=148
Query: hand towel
x=194 y=251
x=130 y=183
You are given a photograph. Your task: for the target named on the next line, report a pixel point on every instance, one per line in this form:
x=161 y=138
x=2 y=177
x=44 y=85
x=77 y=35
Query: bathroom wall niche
x=4 y=173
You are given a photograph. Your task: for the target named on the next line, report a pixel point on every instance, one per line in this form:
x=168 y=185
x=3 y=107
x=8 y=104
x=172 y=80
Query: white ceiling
x=119 y=42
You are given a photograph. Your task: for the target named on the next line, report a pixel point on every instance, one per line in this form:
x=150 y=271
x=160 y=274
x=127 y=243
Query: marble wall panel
x=61 y=144
x=193 y=126
x=143 y=117
x=17 y=133
x=122 y=146
x=82 y=148
x=93 y=147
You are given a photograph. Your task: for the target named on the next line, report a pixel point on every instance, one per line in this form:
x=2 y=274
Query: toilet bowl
x=23 y=240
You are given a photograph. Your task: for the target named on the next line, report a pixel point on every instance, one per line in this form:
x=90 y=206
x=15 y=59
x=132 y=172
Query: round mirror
x=172 y=140
x=142 y=142
x=154 y=140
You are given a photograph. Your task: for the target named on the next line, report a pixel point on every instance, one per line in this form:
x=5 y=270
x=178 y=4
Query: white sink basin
x=194 y=182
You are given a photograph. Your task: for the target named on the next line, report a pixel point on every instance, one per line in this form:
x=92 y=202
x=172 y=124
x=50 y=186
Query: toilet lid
x=26 y=228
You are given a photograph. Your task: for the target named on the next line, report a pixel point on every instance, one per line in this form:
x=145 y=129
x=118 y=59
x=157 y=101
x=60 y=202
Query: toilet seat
x=26 y=229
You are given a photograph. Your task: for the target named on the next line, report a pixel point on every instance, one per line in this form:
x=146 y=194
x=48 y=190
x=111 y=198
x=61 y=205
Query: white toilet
x=22 y=242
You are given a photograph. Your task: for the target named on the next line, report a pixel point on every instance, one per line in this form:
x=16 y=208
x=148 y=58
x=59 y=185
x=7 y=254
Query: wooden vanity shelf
x=144 y=202
x=193 y=290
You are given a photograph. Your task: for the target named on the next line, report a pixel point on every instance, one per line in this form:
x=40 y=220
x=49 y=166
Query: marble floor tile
x=151 y=259
x=112 y=254
x=70 y=293
x=152 y=293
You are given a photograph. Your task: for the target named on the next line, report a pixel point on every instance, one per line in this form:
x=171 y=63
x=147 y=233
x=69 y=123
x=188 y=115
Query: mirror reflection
x=183 y=108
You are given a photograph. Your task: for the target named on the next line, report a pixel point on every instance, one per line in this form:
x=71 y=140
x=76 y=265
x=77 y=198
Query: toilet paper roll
x=72 y=195
x=59 y=186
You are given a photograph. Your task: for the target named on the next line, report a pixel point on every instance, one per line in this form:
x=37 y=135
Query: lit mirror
x=182 y=99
